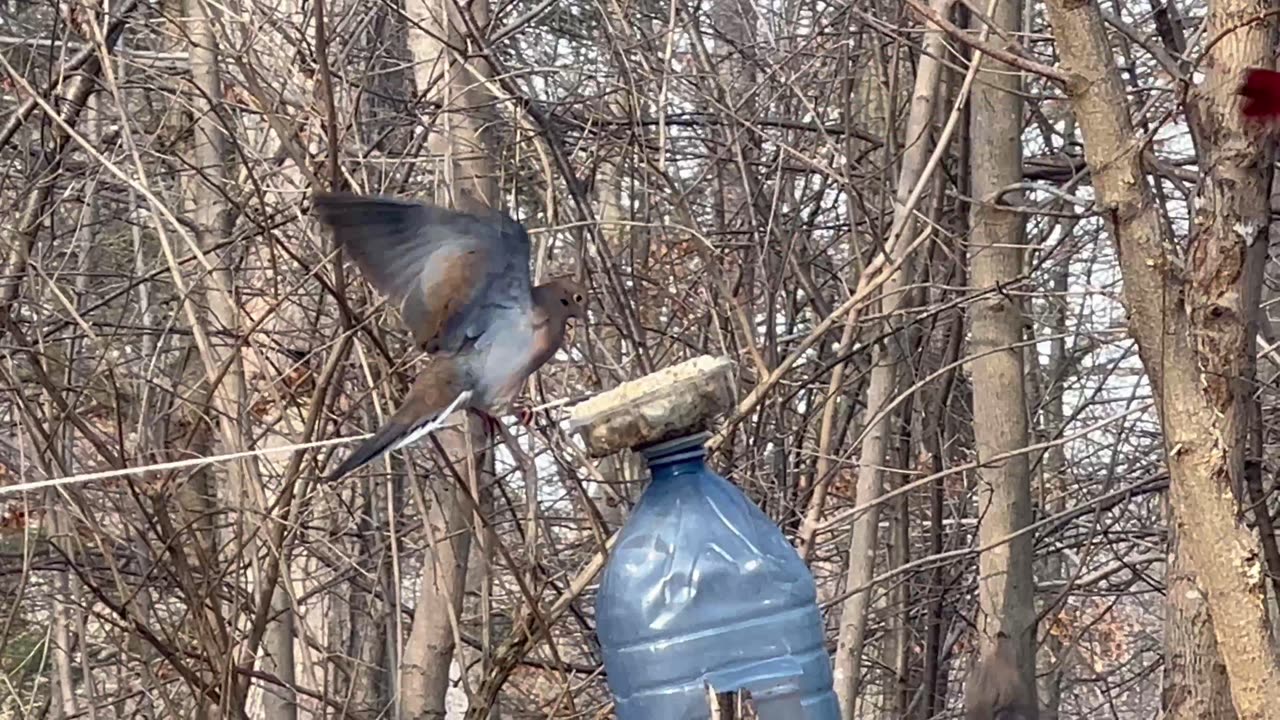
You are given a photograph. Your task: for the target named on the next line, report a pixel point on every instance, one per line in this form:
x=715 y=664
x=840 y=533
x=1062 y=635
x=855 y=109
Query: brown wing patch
x=445 y=287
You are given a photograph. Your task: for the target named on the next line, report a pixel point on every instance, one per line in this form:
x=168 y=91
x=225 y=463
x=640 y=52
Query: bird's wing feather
x=448 y=271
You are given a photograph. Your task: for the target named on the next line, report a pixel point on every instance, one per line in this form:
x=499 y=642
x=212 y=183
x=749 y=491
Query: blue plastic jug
x=702 y=590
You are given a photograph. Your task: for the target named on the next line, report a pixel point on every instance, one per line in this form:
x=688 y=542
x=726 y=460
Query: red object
x=1261 y=93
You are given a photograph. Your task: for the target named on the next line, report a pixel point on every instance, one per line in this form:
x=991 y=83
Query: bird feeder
x=701 y=595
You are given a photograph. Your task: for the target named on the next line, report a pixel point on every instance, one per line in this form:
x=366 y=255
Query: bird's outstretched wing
x=449 y=272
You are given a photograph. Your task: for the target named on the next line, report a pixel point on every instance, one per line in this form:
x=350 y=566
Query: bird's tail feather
x=434 y=423
x=369 y=450
x=396 y=434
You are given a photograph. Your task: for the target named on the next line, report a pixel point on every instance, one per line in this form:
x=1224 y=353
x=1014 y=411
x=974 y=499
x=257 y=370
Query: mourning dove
x=461 y=283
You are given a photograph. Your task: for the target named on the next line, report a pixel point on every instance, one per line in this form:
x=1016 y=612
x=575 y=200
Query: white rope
x=196 y=462
x=174 y=465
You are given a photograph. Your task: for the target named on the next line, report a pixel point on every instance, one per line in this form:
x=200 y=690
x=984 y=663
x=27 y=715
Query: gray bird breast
x=498 y=360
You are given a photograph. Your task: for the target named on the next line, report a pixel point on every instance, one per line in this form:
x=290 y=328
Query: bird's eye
x=577 y=297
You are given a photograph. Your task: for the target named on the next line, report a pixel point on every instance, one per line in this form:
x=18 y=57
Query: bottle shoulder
x=697 y=553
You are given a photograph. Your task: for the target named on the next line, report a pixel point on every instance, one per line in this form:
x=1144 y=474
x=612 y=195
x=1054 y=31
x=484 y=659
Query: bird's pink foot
x=523 y=412
x=520 y=408
x=491 y=423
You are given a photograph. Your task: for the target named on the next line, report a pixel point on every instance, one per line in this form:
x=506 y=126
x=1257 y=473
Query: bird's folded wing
x=447 y=271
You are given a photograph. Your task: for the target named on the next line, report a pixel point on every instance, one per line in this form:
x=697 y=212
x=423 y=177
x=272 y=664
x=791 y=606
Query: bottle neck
x=685 y=454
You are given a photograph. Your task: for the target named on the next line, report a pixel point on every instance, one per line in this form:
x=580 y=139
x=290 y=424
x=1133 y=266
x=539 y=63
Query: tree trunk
x=897 y=645
x=356 y=623
x=223 y=363
x=469 y=179
x=62 y=688
x=428 y=653
x=1191 y=325
x=880 y=392
x=1053 y=484
x=460 y=136
x=1006 y=592
x=1195 y=680
x=932 y=410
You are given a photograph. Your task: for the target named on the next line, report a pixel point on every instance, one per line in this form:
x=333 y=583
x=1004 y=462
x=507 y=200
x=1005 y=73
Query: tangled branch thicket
x=724 y=174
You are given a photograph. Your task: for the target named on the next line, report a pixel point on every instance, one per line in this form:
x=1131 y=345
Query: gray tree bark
x=883 y=385
x=1195 y=680
x=1006 y=592
x=1191 y=317
x=211 y=212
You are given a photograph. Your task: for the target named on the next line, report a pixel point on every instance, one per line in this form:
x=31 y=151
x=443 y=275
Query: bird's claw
x=523 y=410
x=520 y=409
x=491 y=423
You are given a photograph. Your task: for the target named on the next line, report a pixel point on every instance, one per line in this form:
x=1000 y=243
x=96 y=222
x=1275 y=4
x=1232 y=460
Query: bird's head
x=562 y=297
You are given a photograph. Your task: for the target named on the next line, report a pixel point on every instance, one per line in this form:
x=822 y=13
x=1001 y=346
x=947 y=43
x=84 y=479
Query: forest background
x=994 y=277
